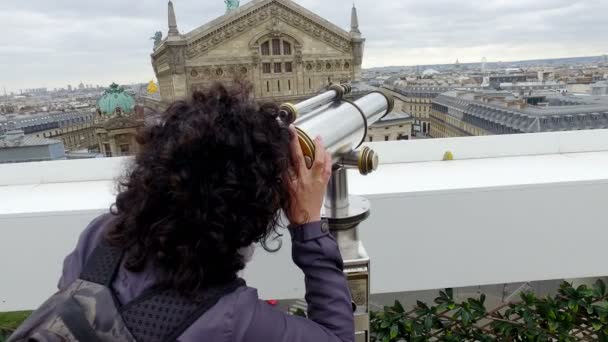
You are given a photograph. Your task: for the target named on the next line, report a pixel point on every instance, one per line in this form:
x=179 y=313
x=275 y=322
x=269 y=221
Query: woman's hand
x=307 y=186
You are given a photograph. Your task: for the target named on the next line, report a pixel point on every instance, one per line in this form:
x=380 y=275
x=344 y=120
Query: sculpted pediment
x=271 y=13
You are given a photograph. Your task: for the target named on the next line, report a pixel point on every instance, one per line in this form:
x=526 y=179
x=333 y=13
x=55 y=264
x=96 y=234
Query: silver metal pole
x=344 y=214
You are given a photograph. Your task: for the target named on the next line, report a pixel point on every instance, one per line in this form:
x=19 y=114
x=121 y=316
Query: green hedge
x=573 y=314
x=9 y=321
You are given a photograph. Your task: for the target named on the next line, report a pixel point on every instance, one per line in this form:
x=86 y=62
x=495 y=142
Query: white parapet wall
x=507 y=209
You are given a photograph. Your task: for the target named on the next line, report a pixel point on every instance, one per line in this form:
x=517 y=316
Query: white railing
x=508 y=209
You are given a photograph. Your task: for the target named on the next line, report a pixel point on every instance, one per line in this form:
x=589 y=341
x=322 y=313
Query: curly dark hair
x=207 y=182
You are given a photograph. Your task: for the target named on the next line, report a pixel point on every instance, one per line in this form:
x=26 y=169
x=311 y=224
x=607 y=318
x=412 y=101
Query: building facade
x=467 y=113
x=75 y=129
x=416 y=101
x=285 y=51
x=394 y=126
x=117 y=123
x=16 y=147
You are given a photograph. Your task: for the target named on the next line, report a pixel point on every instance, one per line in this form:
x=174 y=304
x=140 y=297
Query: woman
x=211 y=180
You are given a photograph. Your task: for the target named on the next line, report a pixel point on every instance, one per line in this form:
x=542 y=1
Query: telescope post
x=344 y=214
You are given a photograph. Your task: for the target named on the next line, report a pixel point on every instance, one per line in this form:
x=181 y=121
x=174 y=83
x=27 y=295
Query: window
x=289 y=84
x=124 y=149
x=276 y=47
x=266 y=49
x=386 y=138
x=288 y=67
x=108 y=150
x=266 y=68
x=268 y=86
x=286 y=48
x=277 y=68
x=371 y=139
x=309 y=83
x=279 y=85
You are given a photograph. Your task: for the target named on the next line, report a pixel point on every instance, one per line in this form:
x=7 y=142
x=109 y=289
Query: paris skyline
x=55 y=44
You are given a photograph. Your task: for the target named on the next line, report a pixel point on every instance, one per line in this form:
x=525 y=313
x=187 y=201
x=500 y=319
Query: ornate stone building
x=287 y=52
x=117 y=122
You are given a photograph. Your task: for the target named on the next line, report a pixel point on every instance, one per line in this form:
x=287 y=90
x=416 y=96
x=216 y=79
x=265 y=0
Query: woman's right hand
x=307 y=186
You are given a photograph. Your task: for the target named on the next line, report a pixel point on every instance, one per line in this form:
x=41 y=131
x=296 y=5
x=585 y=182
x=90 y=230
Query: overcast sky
x=53 y=43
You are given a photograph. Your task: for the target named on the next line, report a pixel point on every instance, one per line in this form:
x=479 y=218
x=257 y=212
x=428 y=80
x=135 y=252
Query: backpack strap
x=163 y=315
x=102 y=265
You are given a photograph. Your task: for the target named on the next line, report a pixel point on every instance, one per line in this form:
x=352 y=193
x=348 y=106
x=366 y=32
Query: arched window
x=266 y=49
x=286 y=48
x=276 y=47
x=279 y=47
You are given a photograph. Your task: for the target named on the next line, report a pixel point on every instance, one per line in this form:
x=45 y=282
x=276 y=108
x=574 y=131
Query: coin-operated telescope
x=343 y=126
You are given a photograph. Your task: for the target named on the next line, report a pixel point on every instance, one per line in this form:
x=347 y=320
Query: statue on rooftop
x=157 y=38
x=231 y=5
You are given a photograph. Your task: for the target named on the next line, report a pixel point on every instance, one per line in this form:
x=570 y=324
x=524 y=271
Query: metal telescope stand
x=344 y=213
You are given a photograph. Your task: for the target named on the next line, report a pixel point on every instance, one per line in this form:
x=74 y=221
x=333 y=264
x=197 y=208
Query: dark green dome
x=113 y=98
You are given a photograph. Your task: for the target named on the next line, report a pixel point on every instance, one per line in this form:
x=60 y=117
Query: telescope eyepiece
x=288 y=113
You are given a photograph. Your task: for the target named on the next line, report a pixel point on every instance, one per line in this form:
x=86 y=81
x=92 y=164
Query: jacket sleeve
x=330 y=313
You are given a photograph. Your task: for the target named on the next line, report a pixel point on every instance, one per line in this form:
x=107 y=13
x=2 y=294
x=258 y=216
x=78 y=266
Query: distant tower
x=358 y=43
x=173 y=31
x=484 y=61
x=354 y=22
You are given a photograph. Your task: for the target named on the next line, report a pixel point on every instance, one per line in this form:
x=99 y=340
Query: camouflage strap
x=74 y=318
x=159 y=314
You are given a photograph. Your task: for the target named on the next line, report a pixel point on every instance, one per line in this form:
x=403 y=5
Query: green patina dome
x=114 y=98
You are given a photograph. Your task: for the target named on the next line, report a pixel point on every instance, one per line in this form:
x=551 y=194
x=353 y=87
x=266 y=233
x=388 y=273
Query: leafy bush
x=9 y=321
x=573 y=314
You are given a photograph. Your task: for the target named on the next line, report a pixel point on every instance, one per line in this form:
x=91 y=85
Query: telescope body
x=343 y=127
x=341 y=124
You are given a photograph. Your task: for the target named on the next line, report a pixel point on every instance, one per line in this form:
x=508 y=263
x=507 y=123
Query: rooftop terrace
x=519 y=207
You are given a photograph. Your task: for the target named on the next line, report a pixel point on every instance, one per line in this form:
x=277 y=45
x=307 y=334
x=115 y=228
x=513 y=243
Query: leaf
x=394 y=331
x=450 y=293
x=553 y=326
x=422 y=305
x=600 y=288
x=398 y=307
x=428 y=323
x=408 y=325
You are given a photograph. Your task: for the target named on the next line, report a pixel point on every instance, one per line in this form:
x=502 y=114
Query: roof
x=396 y=116
x=501 y=112
x=115 y=97
x=46 y=118
x=26 y=141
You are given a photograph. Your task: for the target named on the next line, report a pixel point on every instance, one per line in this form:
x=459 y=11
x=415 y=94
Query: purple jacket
x=241 y=315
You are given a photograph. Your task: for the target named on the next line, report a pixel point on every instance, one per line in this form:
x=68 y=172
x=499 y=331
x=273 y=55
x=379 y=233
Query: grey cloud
x=57 y=42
